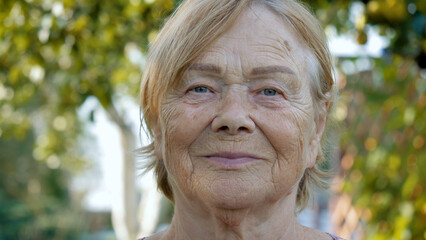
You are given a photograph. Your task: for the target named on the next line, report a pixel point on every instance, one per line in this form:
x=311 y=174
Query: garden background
x=69 y=77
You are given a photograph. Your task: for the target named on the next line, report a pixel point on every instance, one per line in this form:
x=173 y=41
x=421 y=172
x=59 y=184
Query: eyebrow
x=271 y=69
x=205 y=67
x=255 y=71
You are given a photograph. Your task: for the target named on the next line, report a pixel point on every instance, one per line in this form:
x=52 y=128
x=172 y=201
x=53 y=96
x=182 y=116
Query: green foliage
x=382 y=110
x=53 y=56
x=385 y=152
x=56 y=54
x=34 y=200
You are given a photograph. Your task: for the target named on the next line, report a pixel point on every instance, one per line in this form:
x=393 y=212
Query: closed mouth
x=230 y=160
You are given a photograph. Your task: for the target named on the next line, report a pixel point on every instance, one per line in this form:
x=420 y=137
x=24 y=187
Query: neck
x=272 y=220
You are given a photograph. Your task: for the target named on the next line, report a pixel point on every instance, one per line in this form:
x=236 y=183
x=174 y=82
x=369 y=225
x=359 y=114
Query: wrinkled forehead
x=258 y=20
x=257 y=37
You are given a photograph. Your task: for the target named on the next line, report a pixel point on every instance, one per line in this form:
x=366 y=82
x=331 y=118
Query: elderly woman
x=236 y=95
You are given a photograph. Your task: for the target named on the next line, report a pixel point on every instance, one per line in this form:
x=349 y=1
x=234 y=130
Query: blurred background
x=69 y=120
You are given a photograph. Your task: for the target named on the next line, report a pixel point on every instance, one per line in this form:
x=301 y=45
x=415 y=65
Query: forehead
x=257 y=35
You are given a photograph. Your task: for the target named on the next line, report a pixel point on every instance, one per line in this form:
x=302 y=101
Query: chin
x=231 y=194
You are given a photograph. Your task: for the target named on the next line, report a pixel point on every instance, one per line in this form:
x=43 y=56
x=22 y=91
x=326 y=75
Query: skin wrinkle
x=271 y=42
x=296 y=63
x=286 y=162
x=287 y=48
x=275 y=131
x=205 y=67
x=269 y=69
x=287 y=45
x=211 y=56
x=297 y=44
x=167 y=113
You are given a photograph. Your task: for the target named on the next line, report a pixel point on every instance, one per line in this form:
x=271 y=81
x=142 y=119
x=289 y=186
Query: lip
x=232 y=160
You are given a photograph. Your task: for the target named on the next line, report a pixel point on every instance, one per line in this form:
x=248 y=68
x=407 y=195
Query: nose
x=233 y=116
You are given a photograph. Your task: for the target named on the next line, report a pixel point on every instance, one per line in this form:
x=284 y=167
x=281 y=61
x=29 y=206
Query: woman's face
x=239 y=129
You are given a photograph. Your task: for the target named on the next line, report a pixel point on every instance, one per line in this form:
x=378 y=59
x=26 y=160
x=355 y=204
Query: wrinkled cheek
x=182 y=126
x=179 y=167
x=286 y=173
x=289 y=165
x=179 y=163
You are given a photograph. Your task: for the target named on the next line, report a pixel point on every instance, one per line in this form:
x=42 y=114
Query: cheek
x=183 y=124
x=285 y=131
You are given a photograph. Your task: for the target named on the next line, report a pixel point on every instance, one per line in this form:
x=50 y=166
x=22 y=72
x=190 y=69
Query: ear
x=317 y=132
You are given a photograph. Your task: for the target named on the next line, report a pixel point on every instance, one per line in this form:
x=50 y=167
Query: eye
x=269 y=92
x=201 y=89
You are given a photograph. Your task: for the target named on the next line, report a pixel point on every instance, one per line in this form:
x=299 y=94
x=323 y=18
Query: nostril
x=242 y=129
x=224 y=128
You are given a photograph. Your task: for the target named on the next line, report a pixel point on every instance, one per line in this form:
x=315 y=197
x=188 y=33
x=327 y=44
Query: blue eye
x=269 y=92
x=201 y=90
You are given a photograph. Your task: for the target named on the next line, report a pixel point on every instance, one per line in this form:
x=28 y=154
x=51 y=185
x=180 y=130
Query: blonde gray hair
x=193 y=26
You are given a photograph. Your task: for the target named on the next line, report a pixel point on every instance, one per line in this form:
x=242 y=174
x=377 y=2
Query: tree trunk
x=124 y=210
x=149 y=207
